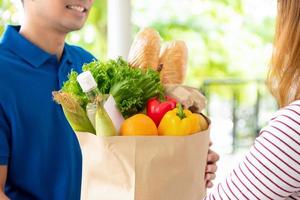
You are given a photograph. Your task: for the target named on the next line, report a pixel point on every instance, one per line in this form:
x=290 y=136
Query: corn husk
x=74 y=113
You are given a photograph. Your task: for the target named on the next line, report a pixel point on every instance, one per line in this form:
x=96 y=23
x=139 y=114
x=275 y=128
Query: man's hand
x=211 y=167
x=3 y=174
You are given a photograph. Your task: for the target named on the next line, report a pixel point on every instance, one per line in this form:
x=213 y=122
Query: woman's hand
x=211 y=167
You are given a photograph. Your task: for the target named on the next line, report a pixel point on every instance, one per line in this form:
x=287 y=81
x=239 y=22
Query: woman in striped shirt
x=271 y=169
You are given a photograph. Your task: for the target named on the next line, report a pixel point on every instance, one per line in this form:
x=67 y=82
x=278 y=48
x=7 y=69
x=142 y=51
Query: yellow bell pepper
x=179 y=122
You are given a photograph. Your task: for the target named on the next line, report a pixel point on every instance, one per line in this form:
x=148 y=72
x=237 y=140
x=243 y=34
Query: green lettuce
x=131 y=87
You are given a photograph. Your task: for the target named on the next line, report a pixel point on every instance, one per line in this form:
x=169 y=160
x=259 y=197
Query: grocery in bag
x=141 y=131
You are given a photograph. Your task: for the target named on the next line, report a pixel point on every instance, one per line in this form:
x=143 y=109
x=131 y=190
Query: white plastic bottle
x=89 y=87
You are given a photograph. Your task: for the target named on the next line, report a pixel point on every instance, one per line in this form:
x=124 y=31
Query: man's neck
x=48 y=40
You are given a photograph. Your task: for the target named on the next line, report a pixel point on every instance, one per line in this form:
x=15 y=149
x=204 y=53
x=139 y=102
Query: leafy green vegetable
x=131 y=87
x=72 y=87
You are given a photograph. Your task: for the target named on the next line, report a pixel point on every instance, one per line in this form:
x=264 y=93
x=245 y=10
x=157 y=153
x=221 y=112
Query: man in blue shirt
x=40 y=156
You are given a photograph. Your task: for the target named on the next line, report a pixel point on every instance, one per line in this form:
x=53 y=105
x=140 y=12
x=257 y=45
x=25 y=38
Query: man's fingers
x=210 y=176
x=209 y=184
x=212 y=157
x=211 y=167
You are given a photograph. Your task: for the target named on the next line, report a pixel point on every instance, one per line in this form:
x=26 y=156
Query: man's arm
x=3 y=174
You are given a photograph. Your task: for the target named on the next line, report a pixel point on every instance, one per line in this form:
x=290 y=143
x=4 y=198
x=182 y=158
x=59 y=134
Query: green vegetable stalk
x=104 y=124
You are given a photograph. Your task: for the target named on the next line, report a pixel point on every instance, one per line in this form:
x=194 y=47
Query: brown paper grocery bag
x=144 y=167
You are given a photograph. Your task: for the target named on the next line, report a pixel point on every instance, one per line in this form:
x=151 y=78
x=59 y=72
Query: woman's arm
x=271 y=169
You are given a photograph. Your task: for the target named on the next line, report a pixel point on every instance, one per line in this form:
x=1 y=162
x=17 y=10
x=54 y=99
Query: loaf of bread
x=145 y=49
x=173 y=59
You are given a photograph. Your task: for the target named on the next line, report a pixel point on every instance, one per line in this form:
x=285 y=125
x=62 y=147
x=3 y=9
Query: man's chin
x=73 y=27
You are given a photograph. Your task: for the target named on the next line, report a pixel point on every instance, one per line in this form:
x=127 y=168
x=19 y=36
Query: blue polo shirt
x=37 y=144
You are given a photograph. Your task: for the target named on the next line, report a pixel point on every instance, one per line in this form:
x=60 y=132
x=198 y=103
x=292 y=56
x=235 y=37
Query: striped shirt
x=271 y=169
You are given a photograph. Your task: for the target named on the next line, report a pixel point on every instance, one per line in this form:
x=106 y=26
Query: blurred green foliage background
x=226 y=38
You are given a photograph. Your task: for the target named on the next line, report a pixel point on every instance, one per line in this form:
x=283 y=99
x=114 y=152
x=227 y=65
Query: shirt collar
x=66 y=56
x=25 y=49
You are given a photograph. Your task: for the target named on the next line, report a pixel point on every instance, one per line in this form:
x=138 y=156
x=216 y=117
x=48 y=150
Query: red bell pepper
x=157 y=108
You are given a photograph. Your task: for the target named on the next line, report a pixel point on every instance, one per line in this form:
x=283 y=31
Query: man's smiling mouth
x=77 y=8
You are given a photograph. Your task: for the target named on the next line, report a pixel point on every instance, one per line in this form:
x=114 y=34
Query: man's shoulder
x=7 y=58
x=78 y=52
x=8 y=61
x=4 y=52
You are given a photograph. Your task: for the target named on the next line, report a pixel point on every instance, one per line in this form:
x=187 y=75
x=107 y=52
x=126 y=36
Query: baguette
x=173 y=59
x=145 y=49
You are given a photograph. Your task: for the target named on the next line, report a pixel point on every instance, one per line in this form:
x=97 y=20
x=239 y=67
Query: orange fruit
x=139 y=124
